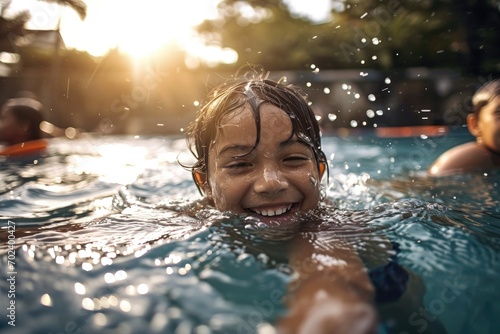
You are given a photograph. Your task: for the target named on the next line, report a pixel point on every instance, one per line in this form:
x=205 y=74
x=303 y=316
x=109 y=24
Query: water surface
x=103 y=244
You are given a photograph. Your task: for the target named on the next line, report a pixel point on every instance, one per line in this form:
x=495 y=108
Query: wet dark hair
x=27 y=114
x=484 y=95
x=233 y=95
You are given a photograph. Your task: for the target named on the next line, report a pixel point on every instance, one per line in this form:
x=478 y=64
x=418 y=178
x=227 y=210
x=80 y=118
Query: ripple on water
x=105 y=252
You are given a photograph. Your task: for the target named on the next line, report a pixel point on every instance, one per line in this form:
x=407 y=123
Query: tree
x=369 y=33
x=480 y=23
x=261 y=32
x=12 y=30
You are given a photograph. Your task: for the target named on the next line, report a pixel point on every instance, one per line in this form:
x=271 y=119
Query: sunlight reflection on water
x=104 y=245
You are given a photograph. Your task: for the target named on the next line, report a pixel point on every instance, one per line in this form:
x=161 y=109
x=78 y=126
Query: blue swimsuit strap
x=390 y=280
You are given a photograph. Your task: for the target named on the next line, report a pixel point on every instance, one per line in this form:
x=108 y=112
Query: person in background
x=484 y=124
x=20 y=120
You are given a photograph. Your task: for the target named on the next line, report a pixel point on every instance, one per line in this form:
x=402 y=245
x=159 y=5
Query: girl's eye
x=296 y=158
x=238 y=165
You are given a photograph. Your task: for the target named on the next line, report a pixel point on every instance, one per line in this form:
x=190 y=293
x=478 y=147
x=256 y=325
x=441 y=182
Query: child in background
x=484 y=124
x=258 y=149
x=20 y=120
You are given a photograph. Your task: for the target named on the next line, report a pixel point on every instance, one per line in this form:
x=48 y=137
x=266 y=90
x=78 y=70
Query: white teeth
x=271 y=213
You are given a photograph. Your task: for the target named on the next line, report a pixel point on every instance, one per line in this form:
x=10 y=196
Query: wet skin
x=483 y=154
x=273 y=182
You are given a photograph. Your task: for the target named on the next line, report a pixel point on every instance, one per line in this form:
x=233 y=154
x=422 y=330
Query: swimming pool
x=100 y=246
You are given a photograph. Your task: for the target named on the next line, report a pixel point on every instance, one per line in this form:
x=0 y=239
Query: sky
x=139 y=27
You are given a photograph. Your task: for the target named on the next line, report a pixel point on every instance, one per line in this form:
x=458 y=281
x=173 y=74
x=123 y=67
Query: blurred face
x=11 y=130
x=488 y=124
x=272 y=182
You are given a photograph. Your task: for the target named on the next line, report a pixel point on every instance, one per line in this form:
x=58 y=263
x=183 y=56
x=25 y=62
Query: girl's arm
x=332 y=292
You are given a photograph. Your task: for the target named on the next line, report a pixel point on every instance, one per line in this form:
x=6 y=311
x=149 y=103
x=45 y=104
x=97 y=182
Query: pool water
x=102 y=244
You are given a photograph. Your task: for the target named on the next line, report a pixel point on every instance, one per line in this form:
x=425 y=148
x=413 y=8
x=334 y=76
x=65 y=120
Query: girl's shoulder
x=463 y=158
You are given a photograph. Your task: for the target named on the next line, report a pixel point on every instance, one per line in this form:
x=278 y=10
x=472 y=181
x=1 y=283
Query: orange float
x=25 y=148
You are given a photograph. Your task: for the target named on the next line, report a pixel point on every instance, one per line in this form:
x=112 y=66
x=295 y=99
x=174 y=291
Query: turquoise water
x=102 y=245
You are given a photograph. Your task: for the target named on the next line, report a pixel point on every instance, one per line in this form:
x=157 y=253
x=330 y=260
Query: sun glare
x=137 y=28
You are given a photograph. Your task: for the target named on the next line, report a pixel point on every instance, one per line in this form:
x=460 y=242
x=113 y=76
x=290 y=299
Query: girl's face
x=272 y=182
x=488 y=124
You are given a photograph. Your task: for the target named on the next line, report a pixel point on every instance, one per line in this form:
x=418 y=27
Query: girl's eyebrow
x=237 y=149
x=234 y=148
x=293 y=141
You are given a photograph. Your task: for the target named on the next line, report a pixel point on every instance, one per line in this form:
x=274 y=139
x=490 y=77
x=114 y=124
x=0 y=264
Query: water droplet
x=125 y=306
x=142 y=289
x=80 y=288
x=109 y=278
x=88 y=304
x=100 y=319
x=120 y=275
x=313 y=180
x=46 y=300
x=87 y=266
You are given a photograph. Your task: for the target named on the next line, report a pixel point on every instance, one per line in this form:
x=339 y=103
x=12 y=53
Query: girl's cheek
x=219 y=194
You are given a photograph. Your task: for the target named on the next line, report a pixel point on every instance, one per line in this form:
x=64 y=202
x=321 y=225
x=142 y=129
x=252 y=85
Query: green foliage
x=368 y=33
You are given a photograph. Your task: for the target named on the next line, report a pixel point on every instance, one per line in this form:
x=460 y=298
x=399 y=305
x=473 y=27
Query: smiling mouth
x=273 y=212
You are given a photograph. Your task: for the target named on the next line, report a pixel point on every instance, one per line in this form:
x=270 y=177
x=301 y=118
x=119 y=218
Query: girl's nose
x=270 y=181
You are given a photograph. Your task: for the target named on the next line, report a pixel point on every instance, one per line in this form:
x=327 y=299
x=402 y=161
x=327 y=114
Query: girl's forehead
x=493 y=103
x=246 y=116
x=273 y=121
x=235 y=116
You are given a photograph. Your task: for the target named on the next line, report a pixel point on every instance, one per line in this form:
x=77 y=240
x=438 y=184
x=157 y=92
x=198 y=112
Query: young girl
x=258 y=149
x=484 y=124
